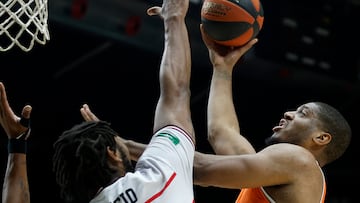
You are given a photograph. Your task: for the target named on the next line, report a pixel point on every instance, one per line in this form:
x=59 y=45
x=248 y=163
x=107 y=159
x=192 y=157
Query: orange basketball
x=232 y=22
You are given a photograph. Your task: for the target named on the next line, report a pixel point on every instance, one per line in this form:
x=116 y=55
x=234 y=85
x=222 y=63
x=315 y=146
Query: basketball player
x=91 y=161
x=15 y=187
x=289 y=168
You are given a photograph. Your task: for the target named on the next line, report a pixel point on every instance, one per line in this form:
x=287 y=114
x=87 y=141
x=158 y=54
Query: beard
x=128 y=166
x=272 y=140
x=276 y=139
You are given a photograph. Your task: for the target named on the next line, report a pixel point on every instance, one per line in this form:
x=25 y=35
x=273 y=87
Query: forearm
x=16 y=186
x=223 y=125
x=205 y=170
x=200 y=177
x=135 y=149
x=221 y=110
x=222 y=120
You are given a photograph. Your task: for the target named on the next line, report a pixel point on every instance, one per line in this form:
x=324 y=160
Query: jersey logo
x=173 y=139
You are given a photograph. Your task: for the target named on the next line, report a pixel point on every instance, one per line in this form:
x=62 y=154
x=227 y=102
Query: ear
x=323 y=138
x=113 y=155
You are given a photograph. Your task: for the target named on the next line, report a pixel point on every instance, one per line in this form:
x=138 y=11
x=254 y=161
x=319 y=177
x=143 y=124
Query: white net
x=22 y=23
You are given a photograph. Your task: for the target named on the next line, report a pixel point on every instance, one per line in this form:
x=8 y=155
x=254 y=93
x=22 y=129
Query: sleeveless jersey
x=164 y=172
x=259 y=195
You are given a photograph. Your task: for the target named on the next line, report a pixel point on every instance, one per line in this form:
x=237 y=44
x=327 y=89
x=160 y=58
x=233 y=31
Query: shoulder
x=297 y=169
x=290 y=154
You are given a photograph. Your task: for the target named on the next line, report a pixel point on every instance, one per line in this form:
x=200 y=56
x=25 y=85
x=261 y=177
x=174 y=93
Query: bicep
x=236 y=172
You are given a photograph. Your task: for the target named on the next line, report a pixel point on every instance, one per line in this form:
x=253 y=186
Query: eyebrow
x=310 y=110
x=304 y=106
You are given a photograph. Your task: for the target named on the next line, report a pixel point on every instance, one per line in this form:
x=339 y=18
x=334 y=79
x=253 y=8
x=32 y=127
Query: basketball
x=232 y=22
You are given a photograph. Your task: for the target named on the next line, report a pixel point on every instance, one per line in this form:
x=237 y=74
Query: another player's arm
x=15 y=187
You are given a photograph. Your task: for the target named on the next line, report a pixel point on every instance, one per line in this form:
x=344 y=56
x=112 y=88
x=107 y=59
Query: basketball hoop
x=22 y=23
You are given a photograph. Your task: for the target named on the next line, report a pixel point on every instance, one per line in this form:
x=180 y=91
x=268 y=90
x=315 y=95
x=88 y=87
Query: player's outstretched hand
x=13 y=125
x=87 y=114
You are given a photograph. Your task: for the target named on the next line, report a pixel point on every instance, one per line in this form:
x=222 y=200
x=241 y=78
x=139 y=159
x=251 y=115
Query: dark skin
x=288 y=172
x=271 y=166
x=15 y=186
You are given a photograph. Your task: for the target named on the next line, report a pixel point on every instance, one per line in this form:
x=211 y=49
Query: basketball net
x=22 y=23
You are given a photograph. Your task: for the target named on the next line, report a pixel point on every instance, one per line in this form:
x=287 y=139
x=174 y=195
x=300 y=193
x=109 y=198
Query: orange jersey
x=251 y=195
x=259 y=195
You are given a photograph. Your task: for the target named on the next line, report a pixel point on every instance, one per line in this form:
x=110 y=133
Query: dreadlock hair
x=80 y=160
x=334 y=123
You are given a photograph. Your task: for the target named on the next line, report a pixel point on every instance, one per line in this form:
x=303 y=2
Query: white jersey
x=164 y=172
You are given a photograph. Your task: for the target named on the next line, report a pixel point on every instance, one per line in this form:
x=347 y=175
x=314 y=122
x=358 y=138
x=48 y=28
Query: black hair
x=334 y=123
x=80 y=160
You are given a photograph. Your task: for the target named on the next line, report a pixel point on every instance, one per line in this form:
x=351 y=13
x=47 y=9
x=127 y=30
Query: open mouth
x=281 y=125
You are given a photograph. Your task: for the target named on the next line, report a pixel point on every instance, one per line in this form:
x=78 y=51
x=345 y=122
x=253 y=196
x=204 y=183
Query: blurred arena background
x=106 y=53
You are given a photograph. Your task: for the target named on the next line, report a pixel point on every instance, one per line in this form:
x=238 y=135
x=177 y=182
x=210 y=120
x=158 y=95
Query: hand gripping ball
x=232 y=22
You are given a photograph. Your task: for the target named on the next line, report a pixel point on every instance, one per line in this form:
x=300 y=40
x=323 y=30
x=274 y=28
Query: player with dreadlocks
x=89 y=142
x=92 y=162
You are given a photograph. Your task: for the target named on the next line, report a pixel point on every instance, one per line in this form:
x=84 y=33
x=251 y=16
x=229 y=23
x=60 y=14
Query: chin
x=272 y=140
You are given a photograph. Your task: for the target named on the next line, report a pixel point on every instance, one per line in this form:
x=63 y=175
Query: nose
x=289 y=115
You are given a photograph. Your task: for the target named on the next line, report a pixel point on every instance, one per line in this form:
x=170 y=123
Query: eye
x=302 y=112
